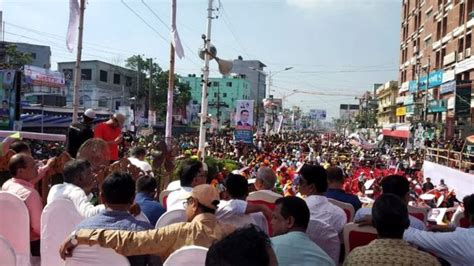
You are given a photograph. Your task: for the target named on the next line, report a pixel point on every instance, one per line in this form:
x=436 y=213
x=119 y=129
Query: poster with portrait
x=7 y=97
x=244 y=121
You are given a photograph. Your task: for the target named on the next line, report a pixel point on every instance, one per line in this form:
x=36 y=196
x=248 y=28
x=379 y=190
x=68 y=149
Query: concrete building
x=386 y=98
x=348 y=111
x=436 y=66
x=223 y=94
x=254 y=73
x=103 y=85
x=40 y=54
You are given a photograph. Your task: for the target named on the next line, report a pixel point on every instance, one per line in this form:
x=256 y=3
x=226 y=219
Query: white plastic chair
x=95 y=256
x=326 y=237
x=187 y=255
x=15 y=226
x=164 y=197
x=171 y=217
x=58 y=220
x=7 y=254
x=174 y=185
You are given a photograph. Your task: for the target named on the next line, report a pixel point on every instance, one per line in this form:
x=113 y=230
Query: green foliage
x=182 y=92
x=17 y=59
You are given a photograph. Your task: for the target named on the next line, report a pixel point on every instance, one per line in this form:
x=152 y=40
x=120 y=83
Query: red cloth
x=108 y=133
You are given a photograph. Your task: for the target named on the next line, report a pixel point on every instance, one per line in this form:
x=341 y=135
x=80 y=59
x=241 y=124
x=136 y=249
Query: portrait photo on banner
x=244 y=114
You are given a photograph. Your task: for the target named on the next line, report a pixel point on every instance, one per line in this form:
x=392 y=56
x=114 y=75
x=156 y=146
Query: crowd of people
x=301 y=177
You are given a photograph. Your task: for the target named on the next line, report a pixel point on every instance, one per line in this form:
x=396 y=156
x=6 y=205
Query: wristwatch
x=73 y=238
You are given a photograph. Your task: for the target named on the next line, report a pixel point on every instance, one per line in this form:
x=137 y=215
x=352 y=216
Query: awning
x=396 y=133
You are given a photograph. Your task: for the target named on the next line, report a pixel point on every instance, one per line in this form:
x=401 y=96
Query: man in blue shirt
x=290 y=242
x=118 y=191
x=335 y=191
x=146 y=189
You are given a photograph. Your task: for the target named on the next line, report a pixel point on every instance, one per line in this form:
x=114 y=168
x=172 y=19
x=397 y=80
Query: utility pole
x=207 y=58
x=169 y=101
x=150 y=96
x=218 y=107
x=78 y=75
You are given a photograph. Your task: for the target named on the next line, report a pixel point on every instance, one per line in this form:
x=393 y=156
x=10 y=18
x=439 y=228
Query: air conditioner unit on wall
x=468 y=52
x=460 y=56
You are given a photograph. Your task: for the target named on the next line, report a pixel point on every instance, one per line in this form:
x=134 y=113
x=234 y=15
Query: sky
x=340 y=47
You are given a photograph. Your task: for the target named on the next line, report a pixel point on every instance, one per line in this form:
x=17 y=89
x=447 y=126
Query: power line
x=59 y=37
x=168 y=27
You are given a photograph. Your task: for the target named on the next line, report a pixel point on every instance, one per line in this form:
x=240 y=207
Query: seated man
x=118 y=192
x=390 y=218
x=137 y=158
x=455 y=247
x=234 y=211
x=399 y=186
x=290 y=242
x=265 y=182
x=202 y=229
x=335 y=191
x=24 y=171
x=78 y=183
x=245 y=246
x=313 y=184
x=146 y=189
x=191 y=174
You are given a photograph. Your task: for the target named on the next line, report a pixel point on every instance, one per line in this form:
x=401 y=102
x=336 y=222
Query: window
x=215 y=84
x=438 y=31
x=103 y=102
x=33 y=55
x=229 y=84
x=117 y=78
x=103 y=76
x=128 y=81
x=461 y=14
x=224 y=95
x=468 y=41
x=445 y=26
x=86 y=74
x=215 y=94
x=68 y=74
x=428 y=42
x=460 y=45
x=195 y=102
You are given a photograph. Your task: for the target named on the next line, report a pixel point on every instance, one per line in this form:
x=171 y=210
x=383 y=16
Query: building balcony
x=470 y=23
x=436 y=45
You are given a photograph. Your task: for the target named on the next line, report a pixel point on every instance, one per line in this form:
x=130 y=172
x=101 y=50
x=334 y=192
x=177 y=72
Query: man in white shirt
x=235 y=210
x=456 y=247
x=78 y=183
x=399 y=186
x=312 y=185
x=191 y=174
x=137 y=158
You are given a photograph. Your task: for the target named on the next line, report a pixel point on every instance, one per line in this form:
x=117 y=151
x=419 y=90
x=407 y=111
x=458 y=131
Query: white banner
x=73 y=24
x=461 y=182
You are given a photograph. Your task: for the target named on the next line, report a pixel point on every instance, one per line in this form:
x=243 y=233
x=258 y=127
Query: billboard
x=44 y=77
x=243 y=120
x=317 y=114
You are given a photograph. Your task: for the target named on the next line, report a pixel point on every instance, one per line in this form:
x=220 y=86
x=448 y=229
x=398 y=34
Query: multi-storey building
x=436 y=66
x=386 y=95
x=40 y=54
x=222 y=96
x=103 y=85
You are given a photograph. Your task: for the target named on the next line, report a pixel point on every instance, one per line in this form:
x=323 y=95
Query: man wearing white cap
x=111 y=132
x=79 y=132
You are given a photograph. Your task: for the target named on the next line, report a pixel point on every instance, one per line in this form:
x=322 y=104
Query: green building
x=223 y=94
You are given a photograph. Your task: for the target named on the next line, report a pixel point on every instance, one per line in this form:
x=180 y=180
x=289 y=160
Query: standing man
x=79 y=132
x=111 y=132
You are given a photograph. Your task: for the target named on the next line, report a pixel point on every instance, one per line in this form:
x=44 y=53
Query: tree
x=159 y=80
x=15 y=58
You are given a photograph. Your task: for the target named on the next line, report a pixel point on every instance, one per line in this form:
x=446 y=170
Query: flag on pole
x=178 y=47
x=73 y=24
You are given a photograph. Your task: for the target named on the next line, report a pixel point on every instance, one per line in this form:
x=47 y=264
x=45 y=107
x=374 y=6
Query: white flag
x=73 y=24
x=177 y=43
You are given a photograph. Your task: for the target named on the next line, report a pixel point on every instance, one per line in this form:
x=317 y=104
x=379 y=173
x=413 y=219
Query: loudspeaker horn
x=225 y=66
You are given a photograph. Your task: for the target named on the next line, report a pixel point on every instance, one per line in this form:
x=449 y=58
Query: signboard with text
x=244 y=121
